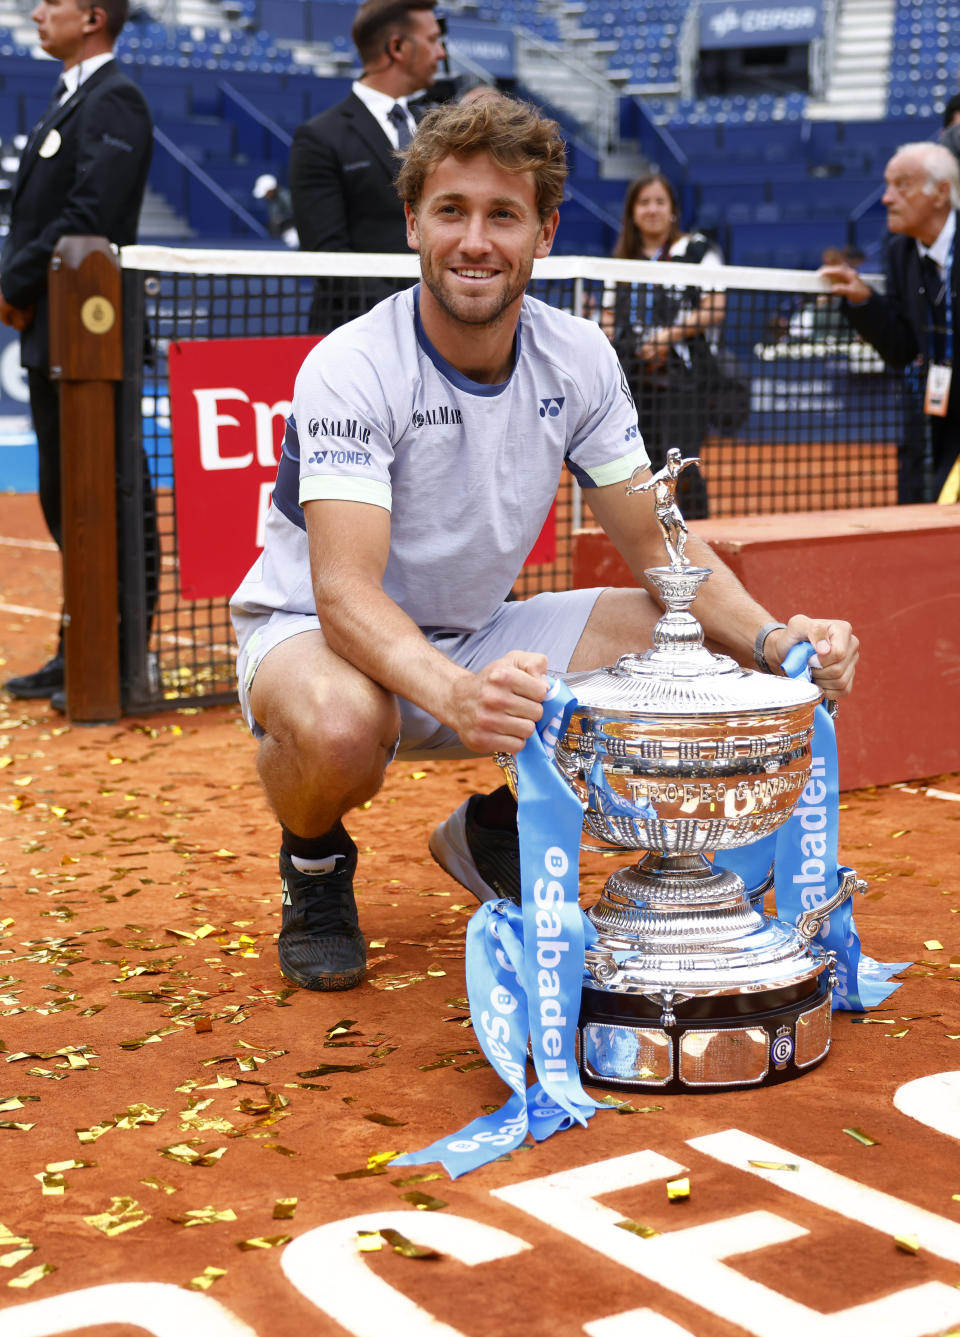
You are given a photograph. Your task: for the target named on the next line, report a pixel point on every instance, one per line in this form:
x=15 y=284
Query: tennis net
x=787 y=409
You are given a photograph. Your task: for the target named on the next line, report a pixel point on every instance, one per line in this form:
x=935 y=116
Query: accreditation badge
x=51 y=144
x=937 y=395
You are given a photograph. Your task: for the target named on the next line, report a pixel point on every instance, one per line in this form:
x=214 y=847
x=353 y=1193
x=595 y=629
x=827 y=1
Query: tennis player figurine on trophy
x=678 y=752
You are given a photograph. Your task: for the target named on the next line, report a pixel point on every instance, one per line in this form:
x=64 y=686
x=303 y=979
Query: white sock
x=316 y=867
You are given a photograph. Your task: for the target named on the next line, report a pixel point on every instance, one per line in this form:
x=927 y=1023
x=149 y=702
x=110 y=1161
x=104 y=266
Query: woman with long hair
x=661 y=331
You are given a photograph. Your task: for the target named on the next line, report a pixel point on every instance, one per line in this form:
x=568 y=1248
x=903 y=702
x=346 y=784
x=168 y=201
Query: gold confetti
x=51 y=1185
x=385 y=1120
x=382 y=1158
x=264 y=1242
x=152 y=1181
x=204 y=1216
x=624 y=1106
x=907 y=1243
x=423 y=1201
x=424 y=1178
x=933 y=945
x=325 y=1069
x=206 y=1279
x=678 y=1189
x=859 y=1136
x=774 y=1165
x=187 y=1154
x=284 y=1209
x=32 y=1275
x=635 y=1228
x=123 y=1214
x=405 y=1247
x=376 y=1165
x=17 y=1256
x=369 y=1241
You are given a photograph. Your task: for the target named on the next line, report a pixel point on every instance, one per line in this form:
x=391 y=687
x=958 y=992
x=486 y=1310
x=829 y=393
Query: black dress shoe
x=58 y=701
x=44 y=682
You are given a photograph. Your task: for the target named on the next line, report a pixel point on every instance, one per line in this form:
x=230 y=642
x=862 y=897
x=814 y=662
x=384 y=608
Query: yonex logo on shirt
x=441 y=416
x=550 y=408
x=341 y=457
x=337 y=427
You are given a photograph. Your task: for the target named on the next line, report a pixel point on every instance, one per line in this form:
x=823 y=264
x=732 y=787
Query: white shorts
x=549 y=624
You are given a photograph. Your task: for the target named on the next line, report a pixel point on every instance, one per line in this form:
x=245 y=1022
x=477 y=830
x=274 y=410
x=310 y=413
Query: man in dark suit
x=343 y=162
x=917 y=319
x=83 y=172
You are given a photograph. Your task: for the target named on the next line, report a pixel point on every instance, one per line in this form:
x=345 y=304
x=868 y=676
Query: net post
x=86 y=358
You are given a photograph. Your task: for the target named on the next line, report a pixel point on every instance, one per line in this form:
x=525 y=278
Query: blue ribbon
x=605 y=801
x=806 y=870
x=524 y=967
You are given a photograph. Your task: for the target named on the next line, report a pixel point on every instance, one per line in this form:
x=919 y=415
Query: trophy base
x=722 y=1043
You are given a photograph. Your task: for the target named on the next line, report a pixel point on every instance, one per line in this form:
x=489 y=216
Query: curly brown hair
x=516 y=135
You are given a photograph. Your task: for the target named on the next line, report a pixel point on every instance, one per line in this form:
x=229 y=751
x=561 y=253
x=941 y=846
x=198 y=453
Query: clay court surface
x=190 y=1145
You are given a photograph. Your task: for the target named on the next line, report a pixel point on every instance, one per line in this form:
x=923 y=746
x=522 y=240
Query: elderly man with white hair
x=917 y=319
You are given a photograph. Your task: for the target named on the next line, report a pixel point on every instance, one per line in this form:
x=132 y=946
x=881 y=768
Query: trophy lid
x=639 y=683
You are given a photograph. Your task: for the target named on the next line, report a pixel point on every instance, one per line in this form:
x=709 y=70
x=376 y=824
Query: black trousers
x=45 y=410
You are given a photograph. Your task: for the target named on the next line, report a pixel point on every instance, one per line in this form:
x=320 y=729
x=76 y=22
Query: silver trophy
x=679 y=752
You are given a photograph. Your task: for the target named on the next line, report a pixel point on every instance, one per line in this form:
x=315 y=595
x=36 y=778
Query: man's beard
x=466 y=309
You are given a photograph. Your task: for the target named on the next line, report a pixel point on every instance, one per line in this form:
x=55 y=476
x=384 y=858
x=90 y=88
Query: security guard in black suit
x=916 y=321
x=83 y=173
x=343 y=162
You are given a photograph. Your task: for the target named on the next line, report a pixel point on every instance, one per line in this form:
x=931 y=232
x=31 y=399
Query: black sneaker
x=485 y=861
x=321 y=946
x=44 y=682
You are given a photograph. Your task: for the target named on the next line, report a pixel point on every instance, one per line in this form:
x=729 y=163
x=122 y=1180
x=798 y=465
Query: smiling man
x=915 y=319
x=423 y=455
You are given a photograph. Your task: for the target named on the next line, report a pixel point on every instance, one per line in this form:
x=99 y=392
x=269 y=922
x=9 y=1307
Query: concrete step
x=859 y=60
x=866 y=79
x=863 y=46
x=867 y=10
x=846 y=111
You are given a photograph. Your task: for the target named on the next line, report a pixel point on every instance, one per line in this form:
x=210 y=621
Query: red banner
x=229 y=399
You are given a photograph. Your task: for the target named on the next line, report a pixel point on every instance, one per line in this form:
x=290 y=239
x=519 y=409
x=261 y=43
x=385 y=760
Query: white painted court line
x=928 y=793
x=22 y=611
x=40 y=545
x=168 y=638
x=45 y=545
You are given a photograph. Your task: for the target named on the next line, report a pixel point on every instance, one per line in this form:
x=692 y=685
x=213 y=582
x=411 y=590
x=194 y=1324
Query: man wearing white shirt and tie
x=82 y=173
x=343 y=161
x=916 y=320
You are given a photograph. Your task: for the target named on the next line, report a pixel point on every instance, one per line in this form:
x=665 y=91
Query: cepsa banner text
x=229 y=401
